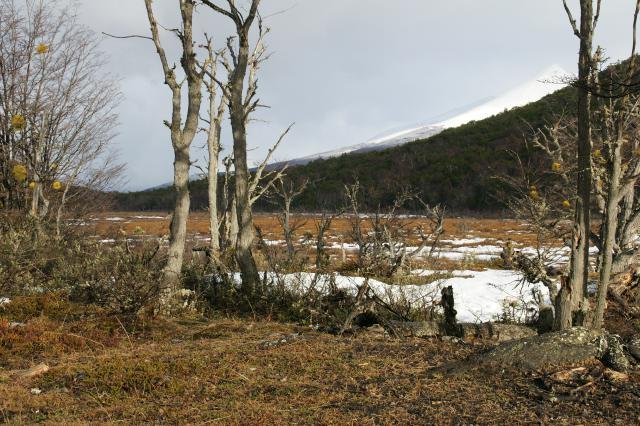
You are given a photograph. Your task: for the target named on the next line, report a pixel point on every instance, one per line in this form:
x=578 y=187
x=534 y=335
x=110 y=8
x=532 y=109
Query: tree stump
x=447 y=302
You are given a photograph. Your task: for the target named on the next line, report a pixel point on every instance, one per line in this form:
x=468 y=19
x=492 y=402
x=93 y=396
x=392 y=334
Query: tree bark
x=609 y=229
x=213 y=144
x=238 y=112
x=579 y=271
x=178 y=227
x=181 y=138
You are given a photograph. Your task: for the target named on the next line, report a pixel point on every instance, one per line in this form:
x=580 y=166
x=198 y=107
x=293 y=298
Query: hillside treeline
x=457 y=168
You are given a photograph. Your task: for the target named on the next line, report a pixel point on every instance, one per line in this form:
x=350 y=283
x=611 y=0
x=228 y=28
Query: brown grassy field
x=158 y=225
x=107 y=370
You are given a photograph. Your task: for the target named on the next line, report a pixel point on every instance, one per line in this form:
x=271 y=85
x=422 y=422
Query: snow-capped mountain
x=545 y=83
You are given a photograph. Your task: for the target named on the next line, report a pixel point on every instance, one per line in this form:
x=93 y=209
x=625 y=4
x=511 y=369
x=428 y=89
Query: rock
x=506 y=332
x=633 y=347
x=279 y=340
x=422 y=329
x=496 y=332
x=376 y=330
x=614 y=356
x=573 y=346
x=36 y=391
x=32 y=372
x=545 y=319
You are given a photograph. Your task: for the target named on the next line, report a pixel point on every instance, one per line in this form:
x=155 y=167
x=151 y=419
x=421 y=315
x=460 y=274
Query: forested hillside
x=456 y=167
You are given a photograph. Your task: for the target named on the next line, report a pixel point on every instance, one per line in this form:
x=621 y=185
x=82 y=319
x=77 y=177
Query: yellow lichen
x=42 y=48
x=18 y=122
x=19 y=173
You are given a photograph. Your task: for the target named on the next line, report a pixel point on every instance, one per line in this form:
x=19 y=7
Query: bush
x=119 y=278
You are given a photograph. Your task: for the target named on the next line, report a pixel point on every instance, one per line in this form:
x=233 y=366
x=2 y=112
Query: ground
x=105 y=368
x=232 y=371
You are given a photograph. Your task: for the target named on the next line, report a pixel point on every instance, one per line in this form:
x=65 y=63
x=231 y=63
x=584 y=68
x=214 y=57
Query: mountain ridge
x=544 y=83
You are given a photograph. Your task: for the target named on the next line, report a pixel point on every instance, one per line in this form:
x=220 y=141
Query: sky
x=344 y=71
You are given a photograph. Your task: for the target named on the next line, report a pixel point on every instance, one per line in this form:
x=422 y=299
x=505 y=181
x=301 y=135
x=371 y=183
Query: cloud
x=346 y=70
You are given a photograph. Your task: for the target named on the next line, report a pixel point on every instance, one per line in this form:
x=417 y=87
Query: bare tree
x=286 y=191
x=57 y=108
x=383 y=237
x=619 y=120
x=244 y=65
x=579 y=273
x=182 y=136
x=217 y=108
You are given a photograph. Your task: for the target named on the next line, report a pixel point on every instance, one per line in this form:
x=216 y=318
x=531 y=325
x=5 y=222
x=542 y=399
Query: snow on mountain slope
x=545 y=83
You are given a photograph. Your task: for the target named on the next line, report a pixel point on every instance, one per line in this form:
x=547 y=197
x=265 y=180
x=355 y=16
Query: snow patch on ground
x=148 y=217
x=463 y=241
x=479 y=296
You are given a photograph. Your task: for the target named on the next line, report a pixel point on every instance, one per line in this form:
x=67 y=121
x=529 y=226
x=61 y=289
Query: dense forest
x=457 y=168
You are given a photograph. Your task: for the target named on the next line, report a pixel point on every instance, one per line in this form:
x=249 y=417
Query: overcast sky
x=347 y=70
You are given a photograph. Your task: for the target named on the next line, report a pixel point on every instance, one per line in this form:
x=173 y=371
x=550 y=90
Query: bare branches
x=52 y=74
x=572 y=21
x=273 y=176
x=233 y=15
x=170 y=78
x=128 y=36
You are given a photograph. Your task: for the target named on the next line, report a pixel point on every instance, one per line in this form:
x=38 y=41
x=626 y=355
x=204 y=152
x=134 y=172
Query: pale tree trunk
x=617 y=197
x=233 y=227
x=214 y=223
x=240 y=109
x=178 y=227
x=609 y=229
x=244 y=254
x=63 y=200
x=216 y=113
x=60 y=210
x=579 y=269
x=38 y=210
x=181 y=139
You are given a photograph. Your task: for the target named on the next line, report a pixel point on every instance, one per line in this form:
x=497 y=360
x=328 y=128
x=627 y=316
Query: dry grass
x=198 y=225
x=200 y=372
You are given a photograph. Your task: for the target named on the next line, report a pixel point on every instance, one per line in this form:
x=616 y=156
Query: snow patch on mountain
x=545 y=83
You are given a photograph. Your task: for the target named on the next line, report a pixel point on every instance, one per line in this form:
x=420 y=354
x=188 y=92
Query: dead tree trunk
x=216 y=113
x=240 y=106
x=579 y=269
x=181 y=139
x=451 y=327
x=617 y=116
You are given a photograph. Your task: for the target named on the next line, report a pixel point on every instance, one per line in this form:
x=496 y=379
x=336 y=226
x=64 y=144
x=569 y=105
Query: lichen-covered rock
x=507 y=332
x=496 y=332
x=573 y=346
x=614 y=356
x=633 y=346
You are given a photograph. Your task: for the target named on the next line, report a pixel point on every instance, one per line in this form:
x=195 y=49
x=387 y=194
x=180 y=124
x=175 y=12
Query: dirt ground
x=105 y=369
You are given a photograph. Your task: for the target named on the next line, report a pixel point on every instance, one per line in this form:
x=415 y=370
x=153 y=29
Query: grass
x=106 y=369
